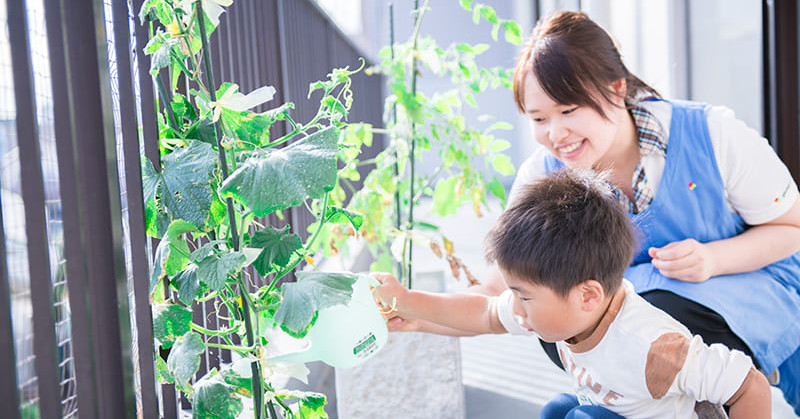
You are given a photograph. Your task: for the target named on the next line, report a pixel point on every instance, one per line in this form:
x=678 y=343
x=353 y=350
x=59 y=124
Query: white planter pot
x=416 y=375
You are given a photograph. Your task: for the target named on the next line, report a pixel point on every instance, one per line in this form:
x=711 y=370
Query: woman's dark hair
x=563 y=230
x=574 y=60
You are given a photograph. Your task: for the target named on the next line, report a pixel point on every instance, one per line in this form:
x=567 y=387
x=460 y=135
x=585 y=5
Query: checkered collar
x=651 y=134
x=652 y=141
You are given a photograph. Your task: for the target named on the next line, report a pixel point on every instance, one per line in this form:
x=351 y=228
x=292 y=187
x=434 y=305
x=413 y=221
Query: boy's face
x=551 y=316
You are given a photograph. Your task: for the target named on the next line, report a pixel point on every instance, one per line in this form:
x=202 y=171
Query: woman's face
x=577 y=135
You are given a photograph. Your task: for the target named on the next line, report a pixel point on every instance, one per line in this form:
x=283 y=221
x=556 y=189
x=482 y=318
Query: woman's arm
x=753 y=176
x=691 y=261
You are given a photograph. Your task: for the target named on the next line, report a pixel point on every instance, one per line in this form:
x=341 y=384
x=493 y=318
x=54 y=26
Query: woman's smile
x=571 y=150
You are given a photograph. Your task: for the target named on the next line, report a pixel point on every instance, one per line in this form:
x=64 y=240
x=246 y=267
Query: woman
x=718 y=211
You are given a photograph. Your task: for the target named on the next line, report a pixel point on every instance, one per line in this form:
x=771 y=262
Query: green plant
x=419 y=125
x=220 y=172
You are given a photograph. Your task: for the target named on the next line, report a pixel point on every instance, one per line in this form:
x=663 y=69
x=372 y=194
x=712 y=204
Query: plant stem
x=272 y=411
x=399 y=268
x=411 y=157
x=240 y=349
x=428 y=184
x=162 y=91
x=212 y=92
x=210 y=332
x=184 y=37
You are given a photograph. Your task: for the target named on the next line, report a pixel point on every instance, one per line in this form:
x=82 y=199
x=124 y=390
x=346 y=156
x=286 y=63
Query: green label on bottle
x=365 y=346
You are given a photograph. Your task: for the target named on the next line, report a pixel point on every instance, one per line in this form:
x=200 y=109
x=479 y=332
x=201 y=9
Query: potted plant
x=220 y=172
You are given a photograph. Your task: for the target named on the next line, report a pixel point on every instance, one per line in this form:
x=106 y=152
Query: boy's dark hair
x=563 y=230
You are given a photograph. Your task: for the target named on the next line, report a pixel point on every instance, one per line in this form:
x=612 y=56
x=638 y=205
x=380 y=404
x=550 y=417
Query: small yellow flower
x=174 y=28
x=310 y=261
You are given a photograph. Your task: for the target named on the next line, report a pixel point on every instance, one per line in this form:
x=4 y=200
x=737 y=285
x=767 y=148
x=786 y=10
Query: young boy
x=562 y=248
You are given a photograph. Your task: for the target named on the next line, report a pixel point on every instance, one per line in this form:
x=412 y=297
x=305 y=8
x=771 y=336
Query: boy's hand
x=389 y=296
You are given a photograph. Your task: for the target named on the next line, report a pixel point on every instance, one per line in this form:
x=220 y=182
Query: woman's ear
x=620 y=88
x=592 y=294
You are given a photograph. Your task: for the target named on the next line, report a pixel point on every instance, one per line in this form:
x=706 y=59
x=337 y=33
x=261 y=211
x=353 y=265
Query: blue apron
x=761 y=307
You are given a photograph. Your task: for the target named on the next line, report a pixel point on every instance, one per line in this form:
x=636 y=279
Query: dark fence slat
x=75 y=266
x=44 y=339
x=146 y=93
x=99 y=210
x=133 y=175
x=9 y=395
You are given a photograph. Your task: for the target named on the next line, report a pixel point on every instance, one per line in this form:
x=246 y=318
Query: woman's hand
x=686 y=260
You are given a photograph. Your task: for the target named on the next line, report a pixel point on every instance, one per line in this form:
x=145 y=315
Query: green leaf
x=445 y=201
x=179 y=227
x=202 y=130
x=466 y=4
x=187 y=283
x=215 y=400
x=243 y=385
x=185 y=182
x=150 y=180
x=480 y=48
x=170 y=321
x=183 y=108
x=159 y=263
x=278 y=245
x=497 y=189
x=213 y=270
x=313 y=406
x=463 y=47
x=413 y=107
x=499 y=145
x=425 y=226
x=502 y=164
x=489 y=14
x=342 y=215
x=250 y=128
x=501 y=126
x=335 y=107
x=172 y=253
x=184 y=358
x=512 y=32
x=161 y=58
x=154 y=43
x=162 y=371
x=205 y=251
x=286 y=177
x=313 y=291
x=495 y=31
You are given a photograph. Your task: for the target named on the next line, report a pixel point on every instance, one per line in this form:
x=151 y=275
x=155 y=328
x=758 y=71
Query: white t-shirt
x=752 y=173
x=642 y=363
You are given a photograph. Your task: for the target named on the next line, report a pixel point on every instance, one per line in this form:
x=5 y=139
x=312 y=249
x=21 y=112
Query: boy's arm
x=471 y=313
x=708 y=372
x=753 y=399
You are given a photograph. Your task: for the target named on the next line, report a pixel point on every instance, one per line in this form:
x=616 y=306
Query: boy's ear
x=592 y=294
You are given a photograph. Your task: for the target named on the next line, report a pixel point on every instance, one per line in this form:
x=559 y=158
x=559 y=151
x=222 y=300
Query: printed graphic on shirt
x=664 y=360
x=587 y=385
